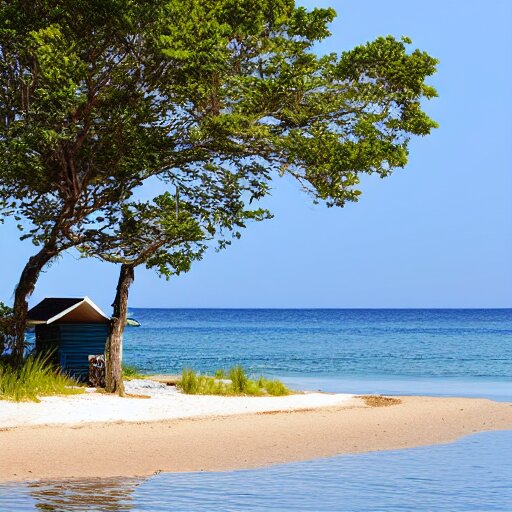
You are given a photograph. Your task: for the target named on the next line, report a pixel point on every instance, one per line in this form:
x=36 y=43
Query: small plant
x=36 y=378
x=239 y=384
x=189 y=382
x=131 y=372
x=238 y=379
x=273 y=387
x=220 y=374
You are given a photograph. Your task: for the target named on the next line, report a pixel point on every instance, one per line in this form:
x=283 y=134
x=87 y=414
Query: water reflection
x=95 y=495
x=473 y=474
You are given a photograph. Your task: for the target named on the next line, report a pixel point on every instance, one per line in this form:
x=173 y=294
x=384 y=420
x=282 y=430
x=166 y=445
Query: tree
x=96 y=96
x=76 y=132
x=155 y=234
x=167 y=234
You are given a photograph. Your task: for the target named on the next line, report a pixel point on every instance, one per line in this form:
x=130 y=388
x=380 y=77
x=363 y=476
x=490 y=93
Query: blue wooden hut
x=73 y=329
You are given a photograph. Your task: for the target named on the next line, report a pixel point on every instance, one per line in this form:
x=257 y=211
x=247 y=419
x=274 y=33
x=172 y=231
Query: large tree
x=77 y=128
x=96 y=96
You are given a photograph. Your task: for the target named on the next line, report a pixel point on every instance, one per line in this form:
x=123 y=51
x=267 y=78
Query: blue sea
x=406 y=351
x=436 y=352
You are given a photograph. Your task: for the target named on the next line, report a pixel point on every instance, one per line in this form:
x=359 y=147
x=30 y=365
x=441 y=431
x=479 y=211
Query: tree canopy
x=96 y=96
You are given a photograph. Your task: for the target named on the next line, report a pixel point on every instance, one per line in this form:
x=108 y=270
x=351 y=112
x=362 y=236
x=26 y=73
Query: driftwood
x=97 y=371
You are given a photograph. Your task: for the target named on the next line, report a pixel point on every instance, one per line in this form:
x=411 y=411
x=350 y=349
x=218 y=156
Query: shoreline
x=240 y=441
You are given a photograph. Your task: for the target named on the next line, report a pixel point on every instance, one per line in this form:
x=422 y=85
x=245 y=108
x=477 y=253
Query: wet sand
x=240 y=441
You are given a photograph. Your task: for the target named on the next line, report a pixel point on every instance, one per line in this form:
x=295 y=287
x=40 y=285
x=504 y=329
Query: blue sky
x=436 y=234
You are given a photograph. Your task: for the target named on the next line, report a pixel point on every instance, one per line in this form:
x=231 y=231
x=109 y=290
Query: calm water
x=440 y=352
x=474 y=474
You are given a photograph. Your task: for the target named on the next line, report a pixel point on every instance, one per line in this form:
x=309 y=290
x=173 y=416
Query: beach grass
x=131 y=372
x=34 y=379
x=233 y=382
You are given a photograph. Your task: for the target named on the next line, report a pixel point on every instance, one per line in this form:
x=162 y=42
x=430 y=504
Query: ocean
x=437 y=352
x=407 y=351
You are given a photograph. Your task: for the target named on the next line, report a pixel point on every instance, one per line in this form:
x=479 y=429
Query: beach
x=209 y=442
x=149 y=401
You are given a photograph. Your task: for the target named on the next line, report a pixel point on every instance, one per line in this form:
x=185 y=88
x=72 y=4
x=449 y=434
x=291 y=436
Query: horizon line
x=476 y=308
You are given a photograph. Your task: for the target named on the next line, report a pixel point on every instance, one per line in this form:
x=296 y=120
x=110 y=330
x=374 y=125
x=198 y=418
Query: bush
x=239 y=384
x=36 y=378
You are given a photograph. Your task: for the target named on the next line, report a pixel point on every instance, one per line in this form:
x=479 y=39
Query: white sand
x=165 y=403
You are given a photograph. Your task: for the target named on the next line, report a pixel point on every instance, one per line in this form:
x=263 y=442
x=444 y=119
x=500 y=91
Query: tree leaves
x=213 y=97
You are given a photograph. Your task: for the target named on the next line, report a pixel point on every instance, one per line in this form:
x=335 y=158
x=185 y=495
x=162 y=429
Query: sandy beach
x=253 y=439
x=147 y=401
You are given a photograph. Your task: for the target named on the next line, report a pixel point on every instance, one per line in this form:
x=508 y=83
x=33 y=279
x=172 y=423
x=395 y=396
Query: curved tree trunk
x=24 y=289
x=114 y=347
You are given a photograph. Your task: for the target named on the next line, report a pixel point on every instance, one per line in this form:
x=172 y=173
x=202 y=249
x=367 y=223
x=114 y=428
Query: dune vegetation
x=233 y=382
x=35 y=378
x=131 y=372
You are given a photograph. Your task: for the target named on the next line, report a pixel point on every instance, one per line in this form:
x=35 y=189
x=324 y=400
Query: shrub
x=36 y=378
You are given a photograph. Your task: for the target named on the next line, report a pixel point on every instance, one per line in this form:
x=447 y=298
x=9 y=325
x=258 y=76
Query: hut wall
x=48 y=341
x=74 y=342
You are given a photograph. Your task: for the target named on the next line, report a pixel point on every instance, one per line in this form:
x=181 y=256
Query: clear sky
x=436 y=234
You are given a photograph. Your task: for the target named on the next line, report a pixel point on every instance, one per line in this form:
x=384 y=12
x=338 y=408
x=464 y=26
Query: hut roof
x=71 y=310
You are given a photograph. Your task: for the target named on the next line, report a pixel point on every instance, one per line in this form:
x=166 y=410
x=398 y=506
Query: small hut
x=73 y=329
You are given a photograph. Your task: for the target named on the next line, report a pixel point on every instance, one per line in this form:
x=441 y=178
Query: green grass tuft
x=131 y=372
x=36 y=378
x=239 y=379
x=238 y=384
x=220 y=374
x=274 y=387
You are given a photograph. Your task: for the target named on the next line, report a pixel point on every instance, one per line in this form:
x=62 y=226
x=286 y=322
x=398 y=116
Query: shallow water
x=473 y=474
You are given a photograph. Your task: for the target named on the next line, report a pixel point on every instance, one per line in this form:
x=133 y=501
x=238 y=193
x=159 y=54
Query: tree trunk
x=114 y=347
x=24 y=289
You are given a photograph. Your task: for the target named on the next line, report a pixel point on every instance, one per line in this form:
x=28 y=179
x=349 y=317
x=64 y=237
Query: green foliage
x=273 y=387
x=220 y=374
x=75 y=132
x=238 y=384
x=5 y=327
x=238 y=379
x=217 y=96
x=160 y=234
x=131 y=372
x=34 y=379
x=5 y=310
x=190 y=382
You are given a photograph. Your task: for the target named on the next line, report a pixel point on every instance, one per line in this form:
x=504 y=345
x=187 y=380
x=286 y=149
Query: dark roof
x=48 y=308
